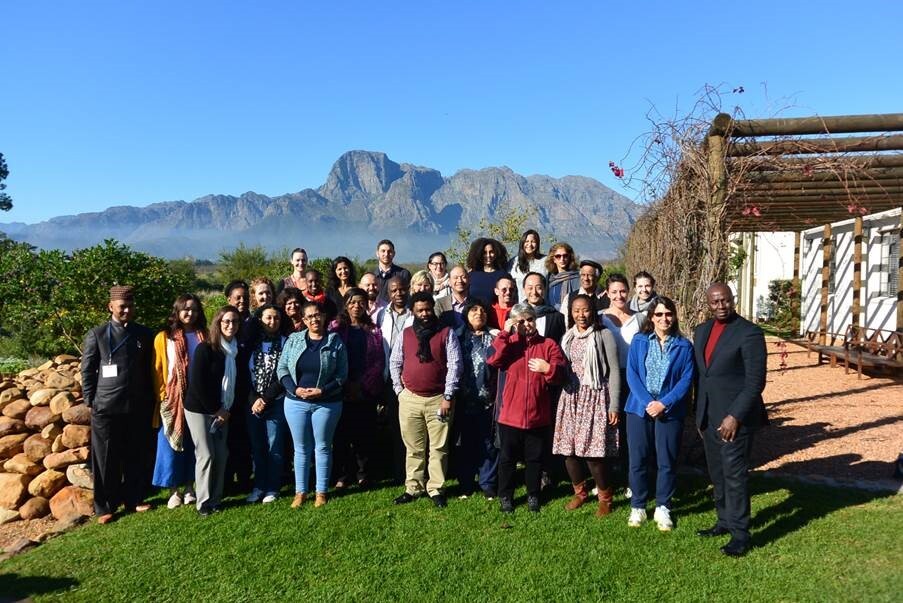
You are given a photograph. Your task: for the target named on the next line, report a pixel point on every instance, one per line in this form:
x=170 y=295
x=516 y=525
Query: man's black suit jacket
x=131 y=390
x=733 y=383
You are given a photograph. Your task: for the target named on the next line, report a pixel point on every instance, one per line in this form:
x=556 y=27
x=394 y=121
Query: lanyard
x=110 y=338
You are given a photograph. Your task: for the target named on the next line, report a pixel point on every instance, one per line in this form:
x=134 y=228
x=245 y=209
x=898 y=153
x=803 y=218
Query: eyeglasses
x=561 y=256
x=313 y=317
x=436 y=264
x=665 y=314
x=523 y=320
x=229 y=322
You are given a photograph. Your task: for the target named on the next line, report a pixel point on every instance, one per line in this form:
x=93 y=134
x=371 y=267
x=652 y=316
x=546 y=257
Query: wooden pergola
x=792 y=174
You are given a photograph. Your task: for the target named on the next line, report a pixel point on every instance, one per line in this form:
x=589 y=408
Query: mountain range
x=366 y=197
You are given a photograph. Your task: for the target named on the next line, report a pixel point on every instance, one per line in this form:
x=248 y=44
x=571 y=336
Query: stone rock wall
x=45 y=433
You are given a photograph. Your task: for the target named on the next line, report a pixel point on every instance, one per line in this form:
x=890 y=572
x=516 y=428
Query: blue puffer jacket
x=333 y=365
x=678 y=379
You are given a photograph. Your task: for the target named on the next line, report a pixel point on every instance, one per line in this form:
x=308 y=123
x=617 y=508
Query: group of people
x=473 y=369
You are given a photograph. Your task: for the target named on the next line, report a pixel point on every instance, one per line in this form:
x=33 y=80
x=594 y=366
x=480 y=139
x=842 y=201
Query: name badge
x=109 y=371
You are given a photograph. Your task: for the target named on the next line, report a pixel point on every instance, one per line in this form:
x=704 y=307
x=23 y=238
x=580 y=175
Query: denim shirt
x=333 y=365
x=657 y=363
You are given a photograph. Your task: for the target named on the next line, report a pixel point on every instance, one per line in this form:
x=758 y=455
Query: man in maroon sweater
x=425 y=368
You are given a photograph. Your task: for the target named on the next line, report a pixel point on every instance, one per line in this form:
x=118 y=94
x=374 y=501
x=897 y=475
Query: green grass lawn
x=814 y=544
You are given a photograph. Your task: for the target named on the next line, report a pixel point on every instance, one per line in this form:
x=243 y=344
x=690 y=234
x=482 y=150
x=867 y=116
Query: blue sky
x=128 y=103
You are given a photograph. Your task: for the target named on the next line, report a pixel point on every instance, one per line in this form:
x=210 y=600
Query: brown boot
x=299 y=500
x=580 y=497
x=320 y=500
x=605 y=498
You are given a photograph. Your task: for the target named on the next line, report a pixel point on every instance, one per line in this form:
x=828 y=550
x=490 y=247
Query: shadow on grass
x=14 y=587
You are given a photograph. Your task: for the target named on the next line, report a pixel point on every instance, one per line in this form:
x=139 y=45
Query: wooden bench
x=873 y=348
x=833 y=348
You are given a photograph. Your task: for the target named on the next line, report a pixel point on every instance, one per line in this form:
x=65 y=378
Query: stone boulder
x=22 y=464
x=59 y=381
x=12 y=445
x=57 y=445
x=9 y=426
x=40 y=417
x=17 y=409
x=28 y=373
x=79 y=414
x=51 y=431
x=8 y=395
x=8 y=515
x=36 y=447
x=47 y=483
x=35 y=508
x=61 y=402
x=65 y=358
x=42 y=397
x=76 y=436
x=46 y=366
x=13 y=488
x=58 y=460
x=79 y=475
x=72 y=501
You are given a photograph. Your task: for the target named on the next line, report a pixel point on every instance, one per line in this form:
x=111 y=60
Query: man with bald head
x=370 y=285
x=731 y=363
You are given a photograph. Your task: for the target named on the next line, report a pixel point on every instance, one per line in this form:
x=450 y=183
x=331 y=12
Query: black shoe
x=439 y=501
x=533 y=504
x=205 y=512
x=713 y=531
x=506 y=504
x=490 y=494
x=404 y=499
x=735 y=548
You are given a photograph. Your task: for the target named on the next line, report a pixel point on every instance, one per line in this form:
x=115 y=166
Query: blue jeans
x=312 y=425
x=647 y=436
x=267 y=434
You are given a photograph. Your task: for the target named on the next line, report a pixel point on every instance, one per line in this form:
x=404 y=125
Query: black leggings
x=516 y=443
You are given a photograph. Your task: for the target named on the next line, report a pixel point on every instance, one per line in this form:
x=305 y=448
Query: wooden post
x=715 y=230
x=825 y=281
x=900 y=280
x=795 y=305
x=857 y=274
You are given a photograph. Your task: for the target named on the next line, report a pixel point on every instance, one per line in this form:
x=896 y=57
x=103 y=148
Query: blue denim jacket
x=678 y=379
x=333 y=365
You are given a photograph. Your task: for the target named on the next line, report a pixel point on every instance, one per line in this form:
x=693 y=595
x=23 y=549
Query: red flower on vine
x=616 y=169
x=854 y=208
x=808 y=171
x=752 y=210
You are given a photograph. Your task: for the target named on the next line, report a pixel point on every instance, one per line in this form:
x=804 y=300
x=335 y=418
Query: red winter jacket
x=526 y=397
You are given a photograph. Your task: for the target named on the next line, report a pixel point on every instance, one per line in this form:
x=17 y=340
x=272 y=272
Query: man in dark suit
x=731 y=362
x=117 y=384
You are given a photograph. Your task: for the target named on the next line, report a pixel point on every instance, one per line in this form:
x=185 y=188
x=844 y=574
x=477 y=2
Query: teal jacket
x=333 y=366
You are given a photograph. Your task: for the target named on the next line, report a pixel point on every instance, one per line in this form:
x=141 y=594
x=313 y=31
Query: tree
x=6 y=202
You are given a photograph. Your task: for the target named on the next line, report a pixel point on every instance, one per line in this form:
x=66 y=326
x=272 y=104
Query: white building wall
x=878 y=309
x=769 y=257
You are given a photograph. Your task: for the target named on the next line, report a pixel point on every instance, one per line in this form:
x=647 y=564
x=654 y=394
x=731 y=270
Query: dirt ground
x=823 y=423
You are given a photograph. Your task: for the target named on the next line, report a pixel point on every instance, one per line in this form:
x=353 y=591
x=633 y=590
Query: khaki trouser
x=419 y=422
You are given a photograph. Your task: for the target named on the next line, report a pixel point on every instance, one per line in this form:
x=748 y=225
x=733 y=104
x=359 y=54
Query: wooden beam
x=848 y=144
x=825 y=281
x=795 y=307
x=854 y=162
x=840 y=124
x=825 y=175
x=857 y=271
x=857 y=185
x=852 y=192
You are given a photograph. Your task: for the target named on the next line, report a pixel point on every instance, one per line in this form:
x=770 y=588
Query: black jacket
x=132 y=389
x=205 y=380
x=733 y=383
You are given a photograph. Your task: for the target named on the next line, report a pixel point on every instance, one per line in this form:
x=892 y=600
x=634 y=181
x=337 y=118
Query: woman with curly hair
x=174 y=349
x=561 y=264
x=342 y=277
x=487 y=262
x=528 y=259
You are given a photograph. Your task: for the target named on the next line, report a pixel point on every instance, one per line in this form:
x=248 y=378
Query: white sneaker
x=189 y=498
x=270 y=497
x=255 y=496
x=637 y=517
x=174 y=501
x=662 y=517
